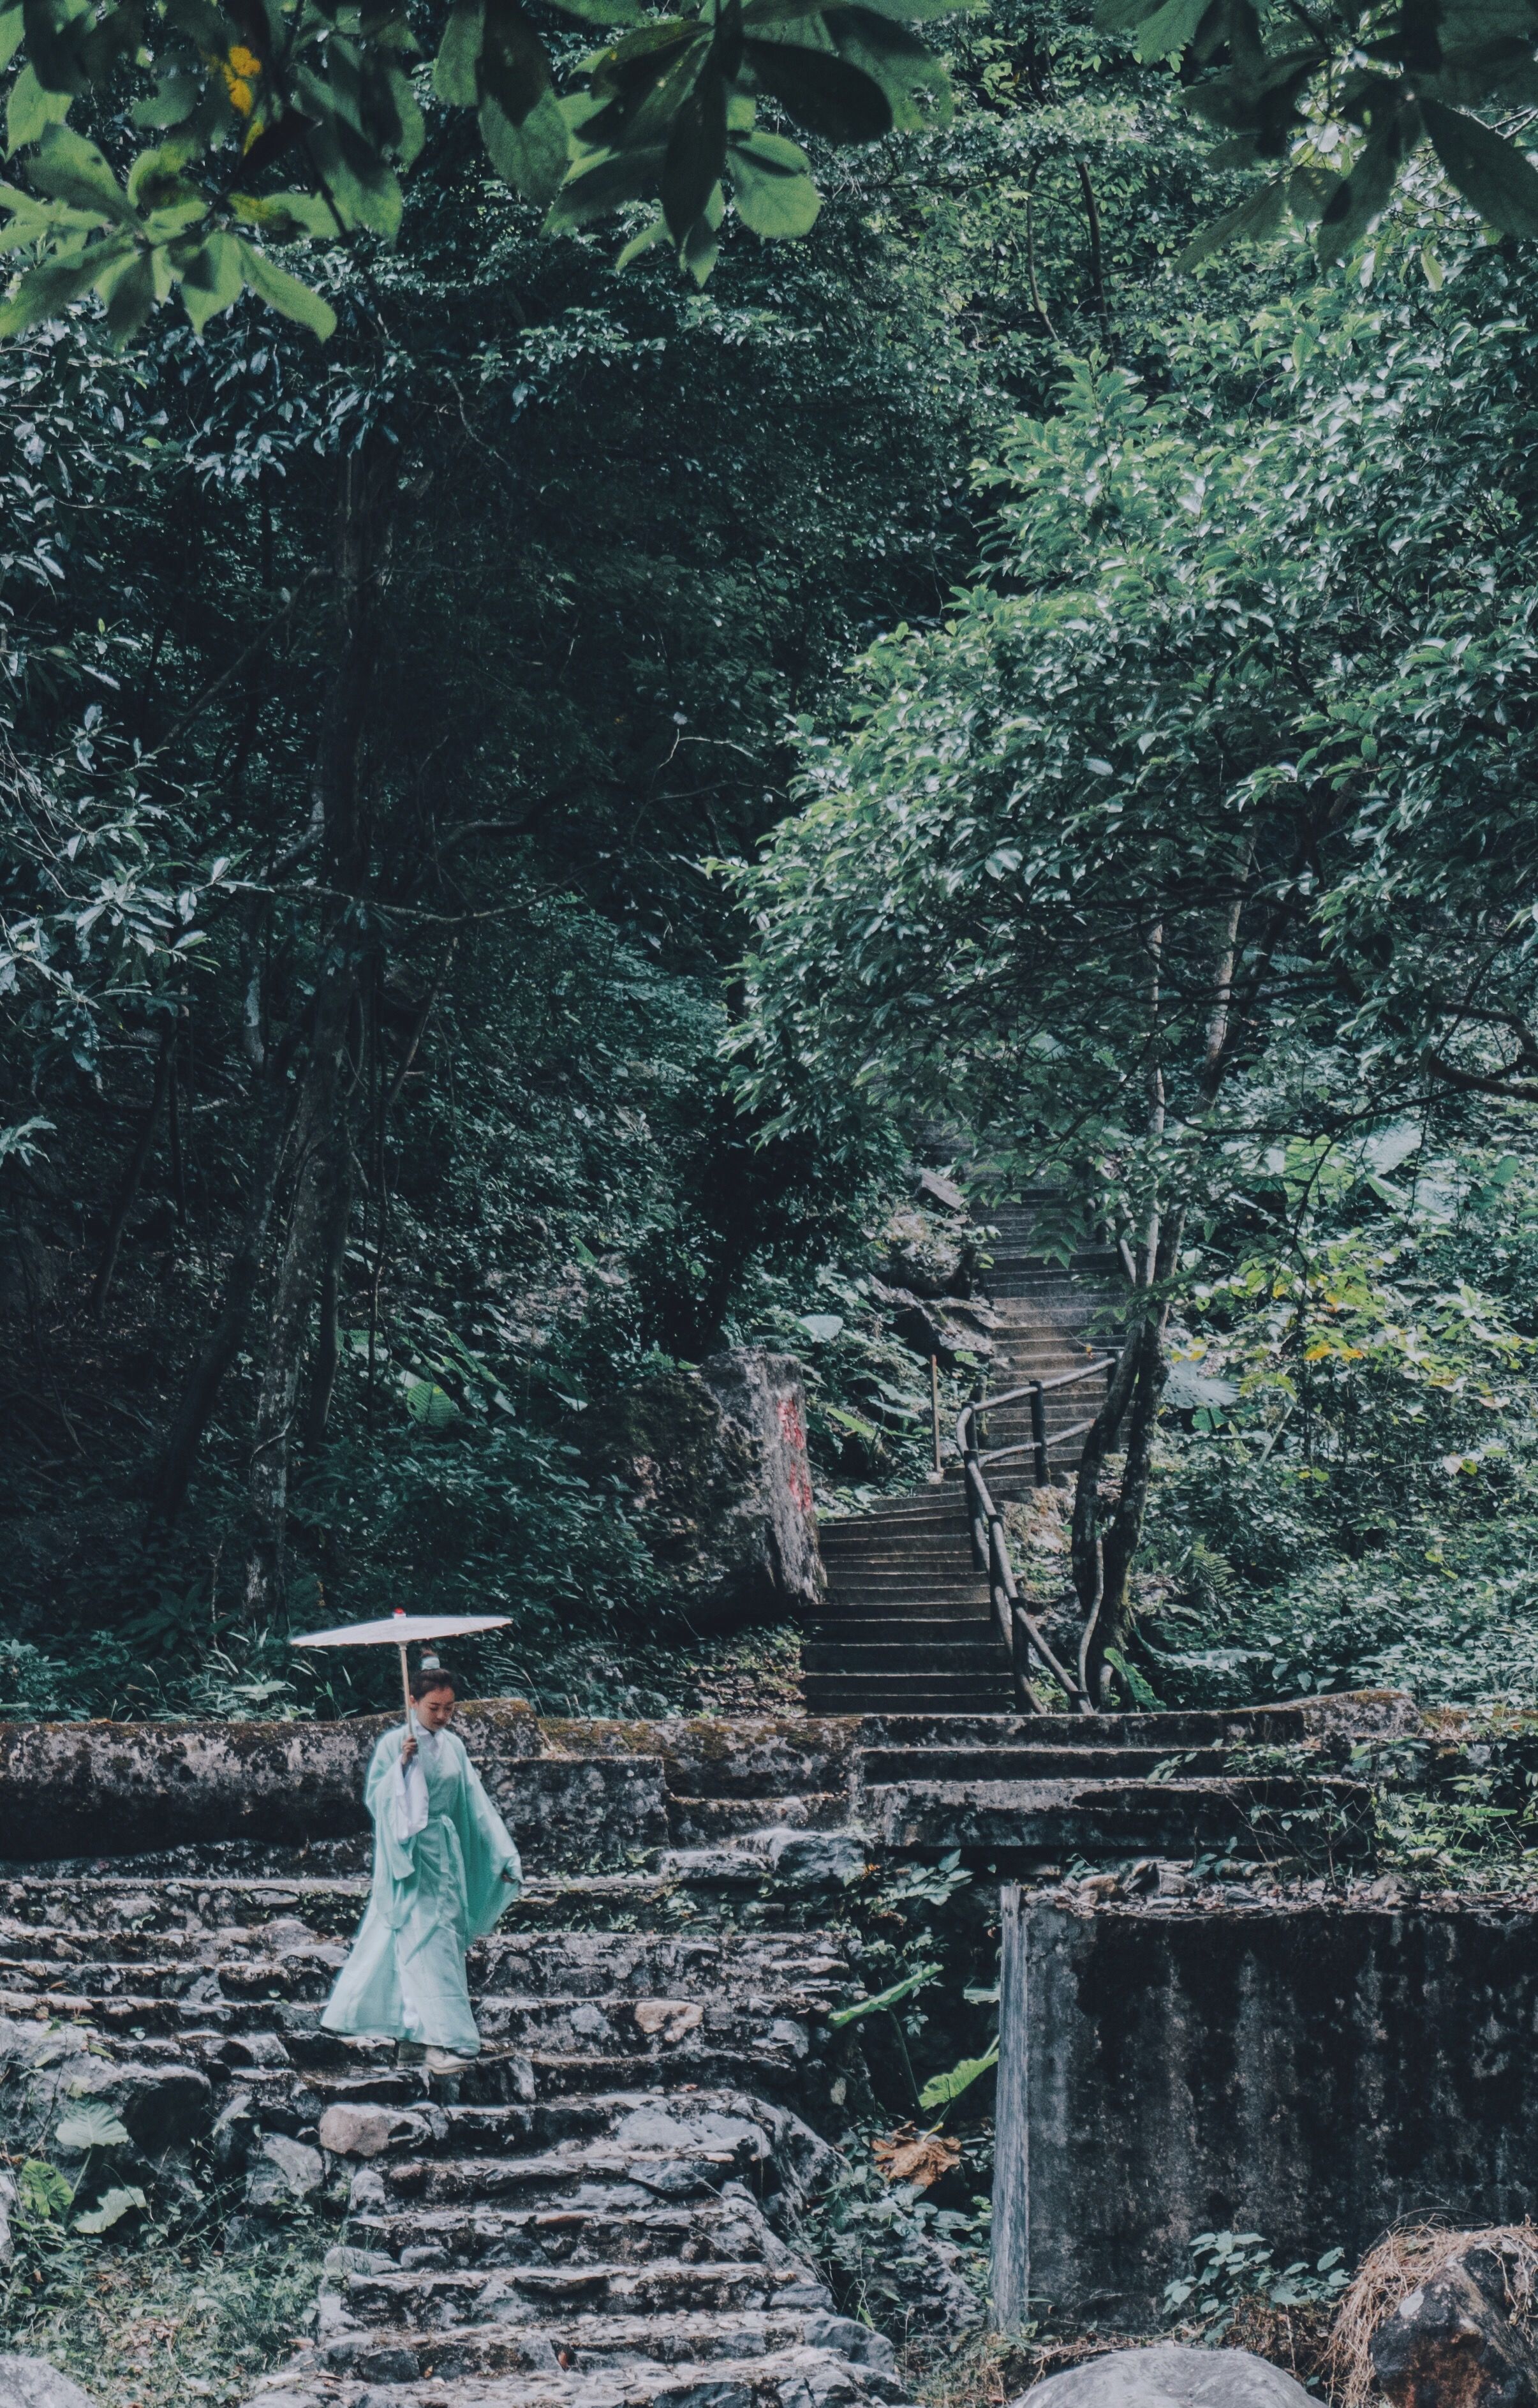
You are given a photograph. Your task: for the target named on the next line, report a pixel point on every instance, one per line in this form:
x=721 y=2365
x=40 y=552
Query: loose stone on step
x=355 y=2131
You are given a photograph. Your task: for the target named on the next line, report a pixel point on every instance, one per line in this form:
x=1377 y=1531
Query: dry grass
x=1398 y=2266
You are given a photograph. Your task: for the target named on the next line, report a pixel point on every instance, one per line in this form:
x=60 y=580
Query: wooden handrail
x=990 y=1553
x=1058 y=1380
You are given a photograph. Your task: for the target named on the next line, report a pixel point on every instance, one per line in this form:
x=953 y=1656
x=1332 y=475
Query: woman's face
x=436 y=1711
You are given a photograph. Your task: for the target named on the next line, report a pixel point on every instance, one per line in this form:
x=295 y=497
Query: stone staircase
x=600 y=2213
x=907 y=1626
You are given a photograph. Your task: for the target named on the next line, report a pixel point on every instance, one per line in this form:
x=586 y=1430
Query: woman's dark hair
x=428 y=1677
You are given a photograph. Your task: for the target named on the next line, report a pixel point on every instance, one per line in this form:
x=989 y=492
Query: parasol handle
x=406 y=1691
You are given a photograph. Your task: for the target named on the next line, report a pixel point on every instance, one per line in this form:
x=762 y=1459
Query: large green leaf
x=30 y=111
x=288 y=216
x=459 y=54
x=898 y=61
x=131 y=288
x=1489 y=171
x=1257 y=216
x=213 y=278
x=91 y=2125
x=820 y=91
x=697 y=152
x=44 y=2190
x=882 y=1998
x=947 y=2087
x=54 y=283
x=603 y=12
x=69 y=168
x=533 y=157
x=520 y=120
x=770 y=183
x=110 y=2209
x=591 y=190
x=285 y=292
x=1365 y=193
x=1171 y=27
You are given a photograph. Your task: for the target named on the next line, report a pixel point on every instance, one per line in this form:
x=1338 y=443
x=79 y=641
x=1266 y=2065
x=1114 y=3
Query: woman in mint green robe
x=445 y=1867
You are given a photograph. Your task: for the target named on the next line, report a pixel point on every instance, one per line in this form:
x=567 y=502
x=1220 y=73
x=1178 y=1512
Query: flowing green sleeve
x=492 y=1873
x=394 y=1859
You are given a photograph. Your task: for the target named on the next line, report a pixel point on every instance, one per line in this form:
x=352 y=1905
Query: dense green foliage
x=411 y=687
x=378 y=720
x=1188 y=860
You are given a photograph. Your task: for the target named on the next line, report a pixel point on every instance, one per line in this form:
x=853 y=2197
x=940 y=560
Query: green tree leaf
x=110 y=2209
x=821 y=91
x=947 y=2087
x=45 y=2191
x=49 y=287
x=288 y=216
x=71 y=169
x=285 y=292
x=213 y=278
x=91 y=2125
x=1489 y=172
x=883 y=2000
x=30 y=111
x=770 y=183
x=432 y=1407
x=459 y=55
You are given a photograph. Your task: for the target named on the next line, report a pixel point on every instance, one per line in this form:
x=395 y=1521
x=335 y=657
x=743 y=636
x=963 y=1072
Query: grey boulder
x=33 y=2383
x=1169 y=2377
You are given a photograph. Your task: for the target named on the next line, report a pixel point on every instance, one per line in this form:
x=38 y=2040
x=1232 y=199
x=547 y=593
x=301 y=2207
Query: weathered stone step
x=861 y=1629
x=1056 y=1760
x=960 y=1586
x=890 y=1692
x=898 y=1613
x=438 y=2298
x=104 y=1904
x=691 y=2170
x=1013 y=1824
x=605 y=1965
x=765 y=2376
x=326 y=1909
x=266 y=1980
x=585 y=2343
x=722 y=2230
x=700 y=1822
x=827 y=1654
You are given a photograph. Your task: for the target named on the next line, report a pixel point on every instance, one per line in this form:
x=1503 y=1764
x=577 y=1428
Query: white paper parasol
x=396 y=1629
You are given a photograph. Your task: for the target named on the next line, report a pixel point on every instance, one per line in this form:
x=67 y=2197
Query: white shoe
x=443 y=2060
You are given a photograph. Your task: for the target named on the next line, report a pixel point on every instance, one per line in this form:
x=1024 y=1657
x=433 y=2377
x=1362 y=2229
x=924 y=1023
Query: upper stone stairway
x=907 y=1627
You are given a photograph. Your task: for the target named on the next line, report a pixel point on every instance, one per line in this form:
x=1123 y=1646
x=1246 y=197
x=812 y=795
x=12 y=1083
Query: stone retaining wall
x=1307 y=2071
x=571 y=1792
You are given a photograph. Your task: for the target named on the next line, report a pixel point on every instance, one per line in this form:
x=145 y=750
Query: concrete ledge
x=1312 y=2071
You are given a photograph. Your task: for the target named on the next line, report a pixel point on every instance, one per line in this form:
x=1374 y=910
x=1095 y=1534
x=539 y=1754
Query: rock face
x=32 y=2383
x=1453 y=2341
x=1171 y=2378
x=931 y=1256
x=716 y=1460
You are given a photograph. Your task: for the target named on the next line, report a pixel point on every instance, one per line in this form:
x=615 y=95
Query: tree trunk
x=1108 y=1527
x=323 y=1148
x=132 y=1173
x=200 y=1391
x=328 y=1345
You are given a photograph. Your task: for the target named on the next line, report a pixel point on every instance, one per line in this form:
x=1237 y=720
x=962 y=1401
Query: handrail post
x=1038 y=1432
x=935 y=1411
